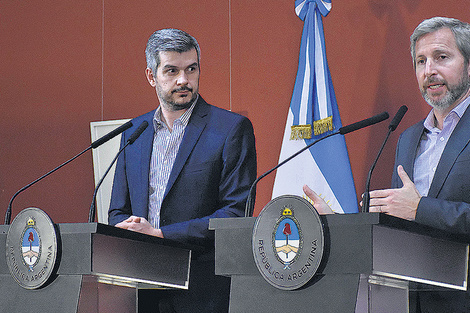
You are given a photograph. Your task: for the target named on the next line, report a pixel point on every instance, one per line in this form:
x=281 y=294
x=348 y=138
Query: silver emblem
x=288 y=242
x=31 y=248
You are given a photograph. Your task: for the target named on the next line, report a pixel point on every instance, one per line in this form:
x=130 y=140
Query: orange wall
x=67 y=63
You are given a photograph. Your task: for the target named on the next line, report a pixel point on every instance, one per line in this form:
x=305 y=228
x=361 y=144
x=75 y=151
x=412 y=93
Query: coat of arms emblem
x=31 y=245
x=287 y=238
x=288 y=242
x=31 y=248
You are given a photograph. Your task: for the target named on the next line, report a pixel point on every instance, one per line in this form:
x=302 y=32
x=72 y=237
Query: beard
x=454 y=92
x=172 y=105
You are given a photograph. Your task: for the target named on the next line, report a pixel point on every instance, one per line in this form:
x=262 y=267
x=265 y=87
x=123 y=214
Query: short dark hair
x=461 y=31
x=169 y=39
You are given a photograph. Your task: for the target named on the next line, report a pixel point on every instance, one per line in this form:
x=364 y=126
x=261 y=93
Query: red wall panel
x=68 y=63
x=50 y=89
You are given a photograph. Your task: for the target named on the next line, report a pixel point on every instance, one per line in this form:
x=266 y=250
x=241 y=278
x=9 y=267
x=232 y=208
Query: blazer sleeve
x=452 y=216
x=447 y=206
x=120 y=208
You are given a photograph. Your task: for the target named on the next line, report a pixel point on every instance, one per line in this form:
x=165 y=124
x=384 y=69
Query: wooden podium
x=370 y=264
x=100 y=268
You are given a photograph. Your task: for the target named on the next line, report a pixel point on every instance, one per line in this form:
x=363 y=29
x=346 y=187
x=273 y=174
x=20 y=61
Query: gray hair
x=461 y=31
x=168 y=40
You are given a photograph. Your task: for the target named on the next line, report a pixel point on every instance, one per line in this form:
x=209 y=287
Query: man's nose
x=182 y=79
x=430 y=68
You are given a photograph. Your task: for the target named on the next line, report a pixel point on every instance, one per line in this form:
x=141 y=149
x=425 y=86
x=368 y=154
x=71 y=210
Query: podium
x=100 y=268
x=371 y=263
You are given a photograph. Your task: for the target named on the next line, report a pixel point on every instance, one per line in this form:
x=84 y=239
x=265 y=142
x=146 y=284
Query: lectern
x=370 y=264
x=100 y=268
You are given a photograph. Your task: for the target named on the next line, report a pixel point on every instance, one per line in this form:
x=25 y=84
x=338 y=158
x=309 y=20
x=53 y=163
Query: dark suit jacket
x=447 y=205
x=211 y=177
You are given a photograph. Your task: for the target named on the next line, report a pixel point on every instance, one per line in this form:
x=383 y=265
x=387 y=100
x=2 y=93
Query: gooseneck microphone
x=132 y=138
x=93 y=145
x=98 y=142
x=250 y=202
x=364 y=123
x=393 y=125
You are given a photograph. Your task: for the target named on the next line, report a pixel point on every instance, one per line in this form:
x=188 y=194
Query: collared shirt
x=166 y=144
x=432 y=144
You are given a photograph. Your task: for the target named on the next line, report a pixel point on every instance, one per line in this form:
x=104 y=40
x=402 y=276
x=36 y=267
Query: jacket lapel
x=412 y=145
x=196 y=125
x=457 y=142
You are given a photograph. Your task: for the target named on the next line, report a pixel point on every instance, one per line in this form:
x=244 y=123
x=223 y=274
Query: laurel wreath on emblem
x=287 y=239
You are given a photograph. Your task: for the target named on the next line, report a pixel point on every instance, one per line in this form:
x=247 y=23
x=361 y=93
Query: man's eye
x=171 y=71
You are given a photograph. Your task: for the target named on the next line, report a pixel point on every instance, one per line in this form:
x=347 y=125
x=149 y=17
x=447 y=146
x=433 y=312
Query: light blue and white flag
x=313 y=114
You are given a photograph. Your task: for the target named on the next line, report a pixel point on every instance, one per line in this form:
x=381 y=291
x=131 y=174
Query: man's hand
x=320 y=205
x=141 y=225
x=400 y=202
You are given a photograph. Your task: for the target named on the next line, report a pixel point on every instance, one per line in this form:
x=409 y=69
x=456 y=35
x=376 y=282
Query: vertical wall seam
x=102 y=61
x=230 y=51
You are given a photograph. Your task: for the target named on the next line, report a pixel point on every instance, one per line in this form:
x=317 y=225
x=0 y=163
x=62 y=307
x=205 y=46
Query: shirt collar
x=458 y=112
x=183 y=119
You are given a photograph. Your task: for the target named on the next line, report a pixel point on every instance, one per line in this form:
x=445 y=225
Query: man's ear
x=150 y=77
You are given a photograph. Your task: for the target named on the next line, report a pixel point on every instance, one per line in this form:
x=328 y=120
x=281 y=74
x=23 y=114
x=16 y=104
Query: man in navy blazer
x=431 y=180
x=195 y=162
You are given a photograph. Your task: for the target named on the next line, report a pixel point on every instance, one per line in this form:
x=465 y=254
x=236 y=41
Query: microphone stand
x=250 y=202
x=136 y=134
x=366 y=197
x=92 y=212
x=393 y=125
x=93 y=145
x=8 y=213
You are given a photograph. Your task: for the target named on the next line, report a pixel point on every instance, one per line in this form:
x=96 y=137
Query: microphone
x=397 y=118
x=137 y=132
x=93 y=145
x=132 y=138
x=364 y=123
x=250 y=202
x=393 y=125
x=98 y=142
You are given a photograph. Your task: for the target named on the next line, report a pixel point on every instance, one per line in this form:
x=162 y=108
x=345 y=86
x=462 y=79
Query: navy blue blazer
x=211 y=177
x=447 y=205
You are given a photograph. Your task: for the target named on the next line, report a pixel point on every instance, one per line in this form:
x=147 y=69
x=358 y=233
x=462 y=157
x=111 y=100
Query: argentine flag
x=313 y=114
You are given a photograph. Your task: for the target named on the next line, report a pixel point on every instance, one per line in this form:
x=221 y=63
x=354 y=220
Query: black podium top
x=117 y=256
x=362 y=243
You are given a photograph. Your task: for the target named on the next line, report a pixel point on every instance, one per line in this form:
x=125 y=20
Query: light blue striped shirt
x=432 y=144
x=166 y=144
